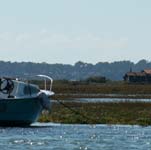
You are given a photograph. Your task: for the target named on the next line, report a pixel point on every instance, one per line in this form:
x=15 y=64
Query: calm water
x=96 y=100
x=76 y=137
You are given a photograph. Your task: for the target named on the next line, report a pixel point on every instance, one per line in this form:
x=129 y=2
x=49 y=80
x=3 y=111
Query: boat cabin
x=17 y=89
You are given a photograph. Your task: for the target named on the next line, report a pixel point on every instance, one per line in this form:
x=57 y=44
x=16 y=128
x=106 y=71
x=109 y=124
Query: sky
x=67 y=31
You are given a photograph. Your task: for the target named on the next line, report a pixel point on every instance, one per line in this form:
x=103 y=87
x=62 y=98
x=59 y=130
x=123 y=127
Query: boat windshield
x=20 y=90
x=29 y=90
x=25 y=89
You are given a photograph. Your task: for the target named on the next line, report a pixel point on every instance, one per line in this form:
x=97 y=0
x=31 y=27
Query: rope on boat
x=77 y=112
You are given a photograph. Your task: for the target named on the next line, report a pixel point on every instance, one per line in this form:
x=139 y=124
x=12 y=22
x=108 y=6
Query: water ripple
x=76 y=137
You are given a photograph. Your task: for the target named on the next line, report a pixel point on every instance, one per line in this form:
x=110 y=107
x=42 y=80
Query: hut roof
x=135 y=74
x=147 y=71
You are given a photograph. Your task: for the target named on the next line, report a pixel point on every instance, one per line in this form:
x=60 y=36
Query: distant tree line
x=78 y=71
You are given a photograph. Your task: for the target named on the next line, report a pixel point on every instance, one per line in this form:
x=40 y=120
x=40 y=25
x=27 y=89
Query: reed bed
x=123 y=90
x=100 y=113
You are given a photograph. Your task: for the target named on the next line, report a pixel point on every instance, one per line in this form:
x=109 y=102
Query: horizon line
x=110 y=62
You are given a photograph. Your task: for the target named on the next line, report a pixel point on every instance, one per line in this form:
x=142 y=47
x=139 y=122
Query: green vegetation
x=116 y=89
x=104 y=88
x=100 y=113
x=95 y=79
x=77 y=89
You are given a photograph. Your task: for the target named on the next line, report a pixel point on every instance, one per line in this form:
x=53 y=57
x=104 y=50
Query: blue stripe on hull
x=15 y=112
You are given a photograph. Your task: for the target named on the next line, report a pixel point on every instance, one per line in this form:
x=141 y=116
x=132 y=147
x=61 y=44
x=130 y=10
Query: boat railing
x=45 y=77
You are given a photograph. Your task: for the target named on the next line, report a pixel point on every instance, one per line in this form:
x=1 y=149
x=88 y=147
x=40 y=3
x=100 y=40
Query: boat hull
x=19 y=112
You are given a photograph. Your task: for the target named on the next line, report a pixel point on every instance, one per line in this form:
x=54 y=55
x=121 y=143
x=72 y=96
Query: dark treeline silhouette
x=79 y=71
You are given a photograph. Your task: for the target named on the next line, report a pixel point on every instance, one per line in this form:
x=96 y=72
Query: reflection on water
x=112 y=100
x=76 y=137
x=96 y=100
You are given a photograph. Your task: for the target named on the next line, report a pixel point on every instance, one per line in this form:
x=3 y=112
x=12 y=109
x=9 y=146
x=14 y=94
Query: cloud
x=83 y=41
x=45 y=39
x=22 y=37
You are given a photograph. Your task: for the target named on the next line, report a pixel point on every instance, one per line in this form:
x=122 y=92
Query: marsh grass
x=64 y=91
x=101 y=113
x=68 y=89
x=104 y=88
